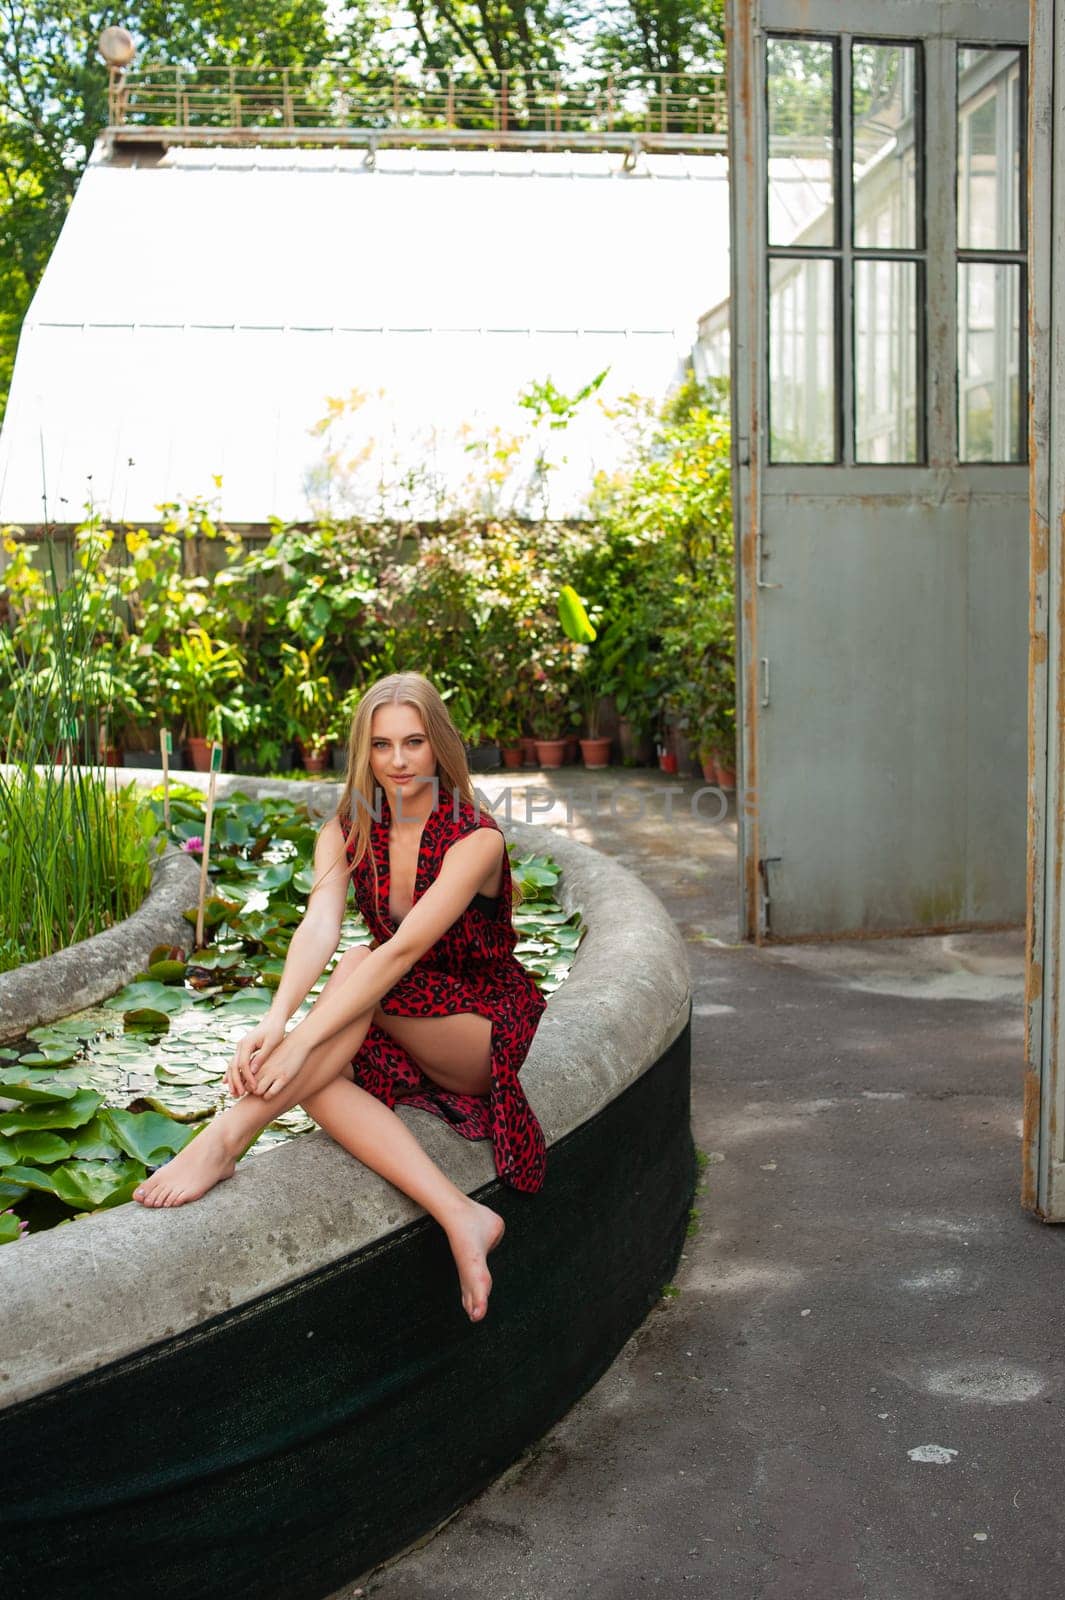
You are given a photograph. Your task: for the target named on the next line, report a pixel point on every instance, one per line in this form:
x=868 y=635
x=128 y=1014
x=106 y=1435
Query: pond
x=89 y=1104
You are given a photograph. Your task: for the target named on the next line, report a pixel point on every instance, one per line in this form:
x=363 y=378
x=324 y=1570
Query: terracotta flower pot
x=199 y=753
x=726 y=776
x=528 y=752
x=709 y=766
x=513 y=757
x=550 y=752
x=315 y=757
x=596 y=752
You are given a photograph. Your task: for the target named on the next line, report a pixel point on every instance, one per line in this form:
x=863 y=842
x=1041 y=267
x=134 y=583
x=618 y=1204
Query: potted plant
x=262 y=743
x=723 y=749
x=306 y=701
x=577 y=626
x=547 y=720
x=511 y=742
x=340 y=727
x=200 y=676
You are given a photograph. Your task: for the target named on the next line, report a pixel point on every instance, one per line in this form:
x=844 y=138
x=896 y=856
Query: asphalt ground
x=856 y=1391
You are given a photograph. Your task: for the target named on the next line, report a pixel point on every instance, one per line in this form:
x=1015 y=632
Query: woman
x=436 y=1010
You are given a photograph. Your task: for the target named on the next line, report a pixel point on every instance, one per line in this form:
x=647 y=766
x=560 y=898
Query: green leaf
x=94 y=1142
x=71 y=1114
x=145 y=1019
x=167 y=971
x=146 y=1135
x=49 y=1057
x=218 y=960
x=9 y=1228
x=157 y=996
x=86 y=1185
x=41 y=1147
x=36 y=1088
x=574 y=618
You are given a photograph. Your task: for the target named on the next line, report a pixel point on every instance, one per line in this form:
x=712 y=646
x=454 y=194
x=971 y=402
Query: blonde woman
x=437 y=1011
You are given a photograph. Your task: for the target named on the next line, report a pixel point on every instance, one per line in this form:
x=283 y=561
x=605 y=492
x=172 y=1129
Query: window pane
x=989 y=149
x=802 y=360
x=800 y=92
x=883 y=101
x=989 y=361
x=885 y=360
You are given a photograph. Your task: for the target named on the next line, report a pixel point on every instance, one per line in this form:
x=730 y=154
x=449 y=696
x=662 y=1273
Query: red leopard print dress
x=471 y=967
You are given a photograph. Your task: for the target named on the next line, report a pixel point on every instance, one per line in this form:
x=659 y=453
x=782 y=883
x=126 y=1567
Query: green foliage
x=664 y=567
x=75 y=851
x=656 y=36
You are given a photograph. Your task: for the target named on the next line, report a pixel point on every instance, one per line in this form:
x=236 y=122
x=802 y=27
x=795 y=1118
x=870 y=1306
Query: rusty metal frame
x=323 y=105
x=1043 y=1158
x=747 y=232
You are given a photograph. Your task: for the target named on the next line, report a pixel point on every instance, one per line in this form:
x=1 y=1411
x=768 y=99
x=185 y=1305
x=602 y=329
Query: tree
x=657 y=36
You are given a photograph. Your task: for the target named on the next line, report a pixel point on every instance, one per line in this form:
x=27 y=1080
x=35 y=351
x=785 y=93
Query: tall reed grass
x=75 y=850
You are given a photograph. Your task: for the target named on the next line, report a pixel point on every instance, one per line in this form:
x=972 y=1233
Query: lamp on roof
x=117 y=47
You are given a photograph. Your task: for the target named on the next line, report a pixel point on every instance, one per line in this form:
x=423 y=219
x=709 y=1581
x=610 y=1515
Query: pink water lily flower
x=194 y=845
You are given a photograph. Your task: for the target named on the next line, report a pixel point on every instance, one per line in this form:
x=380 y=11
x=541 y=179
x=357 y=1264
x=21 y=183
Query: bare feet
x=205 y=1161
x=475 y=1233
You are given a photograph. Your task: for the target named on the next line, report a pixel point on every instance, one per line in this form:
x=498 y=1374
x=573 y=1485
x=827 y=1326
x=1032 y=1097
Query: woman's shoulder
x=469 y=816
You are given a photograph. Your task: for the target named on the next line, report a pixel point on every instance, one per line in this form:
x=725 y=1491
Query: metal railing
x=326 y=104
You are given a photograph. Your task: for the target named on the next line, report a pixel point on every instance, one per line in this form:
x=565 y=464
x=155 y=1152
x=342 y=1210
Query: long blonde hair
x=357 y=797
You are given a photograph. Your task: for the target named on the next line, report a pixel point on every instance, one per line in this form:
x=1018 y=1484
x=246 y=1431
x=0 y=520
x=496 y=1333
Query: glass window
x=884 y=146
x=989 y=361
x=989 y=150
x=801 y=98
x=885 y=361
x=802 y=363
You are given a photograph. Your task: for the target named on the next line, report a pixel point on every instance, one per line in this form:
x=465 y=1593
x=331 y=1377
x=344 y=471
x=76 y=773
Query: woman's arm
x=466 y=864
x=311 y=946
x=318 y=934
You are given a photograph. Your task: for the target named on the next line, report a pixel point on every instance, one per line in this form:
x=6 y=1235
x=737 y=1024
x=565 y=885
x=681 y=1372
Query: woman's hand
x=277 y=1073
x=251 y=1054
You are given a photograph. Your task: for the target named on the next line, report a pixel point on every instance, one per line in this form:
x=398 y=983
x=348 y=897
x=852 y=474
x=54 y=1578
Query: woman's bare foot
x=475 y=1232
x=204 y=1161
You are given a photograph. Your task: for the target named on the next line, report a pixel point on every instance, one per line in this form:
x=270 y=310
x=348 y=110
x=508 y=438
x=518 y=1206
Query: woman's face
x=401 y=757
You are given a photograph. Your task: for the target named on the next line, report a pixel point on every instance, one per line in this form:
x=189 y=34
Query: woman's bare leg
x=376 y=1136
x=366 y=1128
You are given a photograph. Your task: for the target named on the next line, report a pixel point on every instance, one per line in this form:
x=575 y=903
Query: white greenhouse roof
x=203 y=305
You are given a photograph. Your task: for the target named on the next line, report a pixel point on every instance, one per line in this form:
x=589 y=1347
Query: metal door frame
x=747 y=23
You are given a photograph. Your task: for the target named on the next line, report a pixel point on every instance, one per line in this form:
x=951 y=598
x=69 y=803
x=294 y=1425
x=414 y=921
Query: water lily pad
x=94 y=1142
x=87 y=1184
x=41 y=1148
x=9 y=1228
x=216 y=960
x=72 y=1113
x=145 y=1019
x=167 y=971
x=148 y=1136
x=158 y=996
x=50 y=1056
x=34 y=1087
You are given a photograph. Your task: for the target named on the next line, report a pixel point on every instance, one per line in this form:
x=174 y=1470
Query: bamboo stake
x=216 y=767
x=166 y=750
